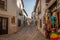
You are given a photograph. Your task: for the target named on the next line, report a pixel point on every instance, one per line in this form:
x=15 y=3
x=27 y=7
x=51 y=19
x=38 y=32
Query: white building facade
x=21 y=13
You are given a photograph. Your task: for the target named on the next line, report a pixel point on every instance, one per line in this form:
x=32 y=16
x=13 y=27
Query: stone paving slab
x=27 y=33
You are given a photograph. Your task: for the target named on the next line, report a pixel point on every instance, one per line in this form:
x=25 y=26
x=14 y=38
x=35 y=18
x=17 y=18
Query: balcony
x=47 y=1
x=21 y=14
x=51 y=3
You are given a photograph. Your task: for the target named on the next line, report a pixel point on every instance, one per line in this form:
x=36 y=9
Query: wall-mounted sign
x=13 y=20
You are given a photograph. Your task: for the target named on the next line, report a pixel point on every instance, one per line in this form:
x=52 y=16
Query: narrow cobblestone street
x=29 y=19
x=27 y=33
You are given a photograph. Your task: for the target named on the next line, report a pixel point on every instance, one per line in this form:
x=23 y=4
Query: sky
x=29 y=6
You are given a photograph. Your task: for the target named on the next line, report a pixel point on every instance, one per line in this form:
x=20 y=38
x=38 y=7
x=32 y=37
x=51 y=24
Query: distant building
x=39 y=11
x=20 y=12
x=29 y=21
x=33 y=17
x=22 y=15
x=25 y=14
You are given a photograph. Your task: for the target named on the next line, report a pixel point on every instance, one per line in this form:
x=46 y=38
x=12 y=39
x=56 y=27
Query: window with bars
x=3 y=5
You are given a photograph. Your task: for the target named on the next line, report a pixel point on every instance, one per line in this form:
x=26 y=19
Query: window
x=21 y=14
x=19 y=22
x=41 y=23
x=3 y=25
x=3 y=4
x=39 y=10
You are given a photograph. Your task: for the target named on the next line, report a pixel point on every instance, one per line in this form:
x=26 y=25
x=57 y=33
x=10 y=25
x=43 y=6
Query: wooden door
x=0 y=26
x=3 y=25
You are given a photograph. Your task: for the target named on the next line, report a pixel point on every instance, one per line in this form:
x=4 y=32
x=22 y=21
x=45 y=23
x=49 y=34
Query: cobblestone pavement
x=27 y=33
